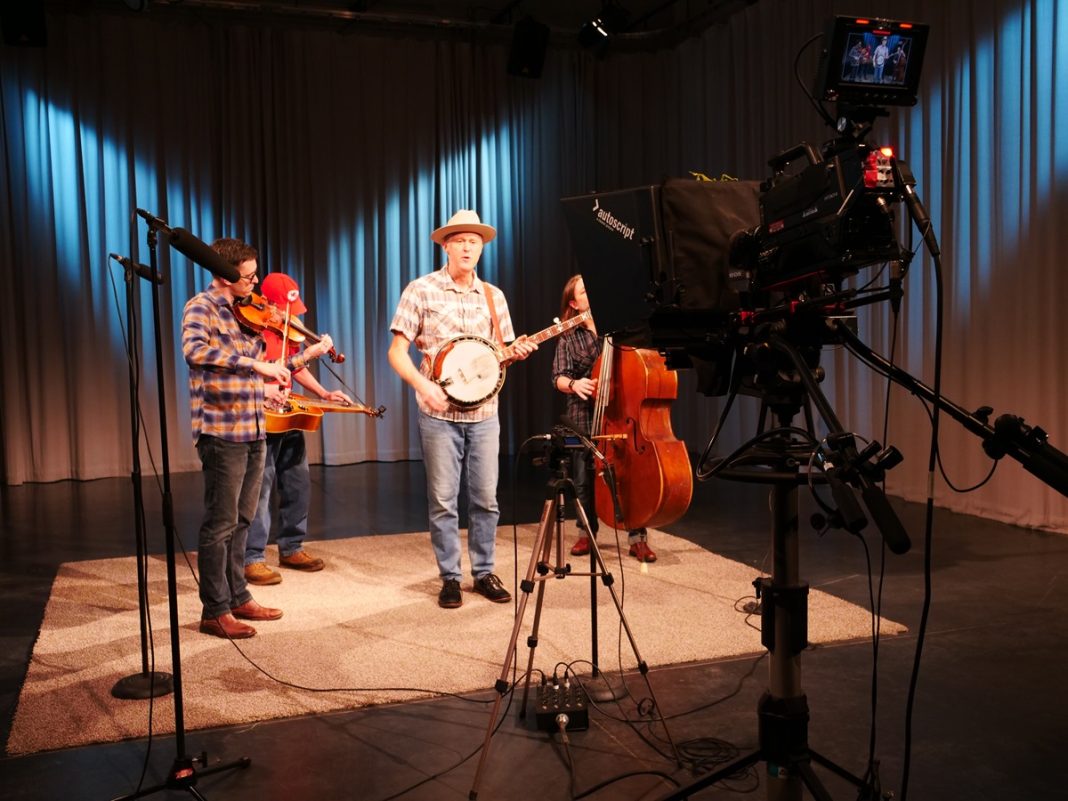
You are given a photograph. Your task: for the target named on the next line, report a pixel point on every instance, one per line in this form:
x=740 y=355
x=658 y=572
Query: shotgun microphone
x=132 y=266
x=195 y=249
x=200 y=253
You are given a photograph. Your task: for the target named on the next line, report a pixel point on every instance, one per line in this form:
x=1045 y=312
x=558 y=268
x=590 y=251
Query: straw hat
x=464 y=221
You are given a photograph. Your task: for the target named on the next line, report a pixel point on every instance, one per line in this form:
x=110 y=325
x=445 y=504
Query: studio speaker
x=23 y=23
x=529 y=41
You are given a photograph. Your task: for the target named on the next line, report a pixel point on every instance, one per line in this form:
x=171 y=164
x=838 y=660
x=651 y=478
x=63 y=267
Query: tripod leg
x=532 y=640
x=540 y=543
x=243 y=762
x=726 y=772
x=184 y=775
x=642 y=667
x=819 y=792
x=838 y=770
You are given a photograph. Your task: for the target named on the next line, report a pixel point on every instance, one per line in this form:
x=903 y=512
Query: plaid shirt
x=225 y=393
x=576 y=351
x=433 y=309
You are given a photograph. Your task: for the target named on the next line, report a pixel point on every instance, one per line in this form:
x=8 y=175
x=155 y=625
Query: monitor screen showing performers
x=872 y=62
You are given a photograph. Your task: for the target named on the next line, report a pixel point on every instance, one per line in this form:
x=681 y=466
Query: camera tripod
x=541 y=569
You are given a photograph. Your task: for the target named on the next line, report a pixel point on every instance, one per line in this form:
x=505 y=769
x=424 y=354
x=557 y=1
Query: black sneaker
x=450 y=596
x=490 y=586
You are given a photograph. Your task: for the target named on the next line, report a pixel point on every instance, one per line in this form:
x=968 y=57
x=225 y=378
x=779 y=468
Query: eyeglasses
x=251 y=277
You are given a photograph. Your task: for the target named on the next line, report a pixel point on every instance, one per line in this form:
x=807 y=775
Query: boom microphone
x=195 y=249
x=200 y=253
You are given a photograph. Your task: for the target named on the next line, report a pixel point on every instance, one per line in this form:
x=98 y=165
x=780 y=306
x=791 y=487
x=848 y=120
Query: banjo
x=471 y=369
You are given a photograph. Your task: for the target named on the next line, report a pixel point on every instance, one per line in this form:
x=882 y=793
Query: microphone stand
x=147 y=683
x=605 y=690
x=183 y=772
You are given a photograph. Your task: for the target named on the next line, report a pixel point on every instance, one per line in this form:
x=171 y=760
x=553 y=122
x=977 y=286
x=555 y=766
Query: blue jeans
x=452 y=451
x=232 y=472
x=582 y=478
x=287 y=464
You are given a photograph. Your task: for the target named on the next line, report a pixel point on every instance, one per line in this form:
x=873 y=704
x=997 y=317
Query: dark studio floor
x=989 y=712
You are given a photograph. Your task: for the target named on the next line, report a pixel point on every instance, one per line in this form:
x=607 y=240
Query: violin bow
x=291 y=296
x=381 y=410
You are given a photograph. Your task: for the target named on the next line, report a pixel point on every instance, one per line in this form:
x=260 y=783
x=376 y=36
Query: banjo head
x=469 y=369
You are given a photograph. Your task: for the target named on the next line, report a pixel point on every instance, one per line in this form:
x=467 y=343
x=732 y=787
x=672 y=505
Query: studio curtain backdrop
x=336 y=153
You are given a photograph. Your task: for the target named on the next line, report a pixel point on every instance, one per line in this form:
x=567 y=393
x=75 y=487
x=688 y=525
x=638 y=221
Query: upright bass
x=632 y=419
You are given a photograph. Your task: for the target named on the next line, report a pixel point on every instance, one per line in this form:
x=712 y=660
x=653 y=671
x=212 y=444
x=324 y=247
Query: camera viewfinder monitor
x=872 y=62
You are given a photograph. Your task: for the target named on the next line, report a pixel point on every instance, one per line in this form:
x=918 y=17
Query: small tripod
x=540 y=569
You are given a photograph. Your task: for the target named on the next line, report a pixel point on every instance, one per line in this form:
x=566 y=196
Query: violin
x=256 y=313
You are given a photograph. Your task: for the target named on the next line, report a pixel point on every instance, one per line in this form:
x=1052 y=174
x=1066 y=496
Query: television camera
x=835 y=215
x=729 y=277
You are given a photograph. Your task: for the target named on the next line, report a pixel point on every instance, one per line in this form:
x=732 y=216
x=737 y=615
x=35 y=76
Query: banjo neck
x=555 y=330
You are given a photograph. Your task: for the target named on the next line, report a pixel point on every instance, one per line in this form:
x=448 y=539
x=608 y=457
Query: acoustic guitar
x=471 y=369
x=306 y=414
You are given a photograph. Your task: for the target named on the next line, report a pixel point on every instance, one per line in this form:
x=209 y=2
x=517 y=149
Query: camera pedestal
x=782 y=711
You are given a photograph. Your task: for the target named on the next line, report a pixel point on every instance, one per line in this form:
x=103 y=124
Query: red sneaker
x=641 y=551
x=581 y=547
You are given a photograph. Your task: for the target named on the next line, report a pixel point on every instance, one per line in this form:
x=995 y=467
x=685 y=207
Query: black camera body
x=822 y=223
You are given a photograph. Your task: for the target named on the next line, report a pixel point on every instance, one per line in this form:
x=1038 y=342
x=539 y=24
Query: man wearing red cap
x=433 y=309
x=286 y=463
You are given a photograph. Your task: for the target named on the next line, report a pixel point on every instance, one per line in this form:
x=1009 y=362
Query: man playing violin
x=286 y=463
x=432 y=309
x=227 y=369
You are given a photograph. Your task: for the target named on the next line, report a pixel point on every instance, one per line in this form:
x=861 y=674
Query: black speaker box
x=23 y=23
x=529 y=42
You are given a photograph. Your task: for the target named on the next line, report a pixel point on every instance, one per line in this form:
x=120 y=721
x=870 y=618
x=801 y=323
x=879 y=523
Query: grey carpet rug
x=369 y=621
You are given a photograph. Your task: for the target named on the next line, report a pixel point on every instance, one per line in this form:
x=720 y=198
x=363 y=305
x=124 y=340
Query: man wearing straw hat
x=432 y=310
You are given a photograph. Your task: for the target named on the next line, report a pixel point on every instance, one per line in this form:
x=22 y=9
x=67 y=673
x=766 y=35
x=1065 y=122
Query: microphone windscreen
x=200 y=253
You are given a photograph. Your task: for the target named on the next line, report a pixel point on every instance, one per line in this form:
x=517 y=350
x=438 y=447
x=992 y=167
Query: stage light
x=593 y=33
x=612 y=19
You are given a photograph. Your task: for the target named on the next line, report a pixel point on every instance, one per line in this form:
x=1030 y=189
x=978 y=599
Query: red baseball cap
x=276 y=287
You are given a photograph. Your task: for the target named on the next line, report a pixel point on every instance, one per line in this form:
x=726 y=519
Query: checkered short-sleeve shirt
x=433 y=309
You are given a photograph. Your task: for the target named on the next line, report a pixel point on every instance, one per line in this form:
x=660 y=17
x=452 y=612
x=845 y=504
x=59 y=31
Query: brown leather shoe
x=254 y=610
x=302 y=560
x=227 y=627
x=260 y=573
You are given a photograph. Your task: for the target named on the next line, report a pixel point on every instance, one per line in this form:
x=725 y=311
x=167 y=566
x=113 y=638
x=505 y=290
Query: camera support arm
x=1009 y=436
x=850 y=467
